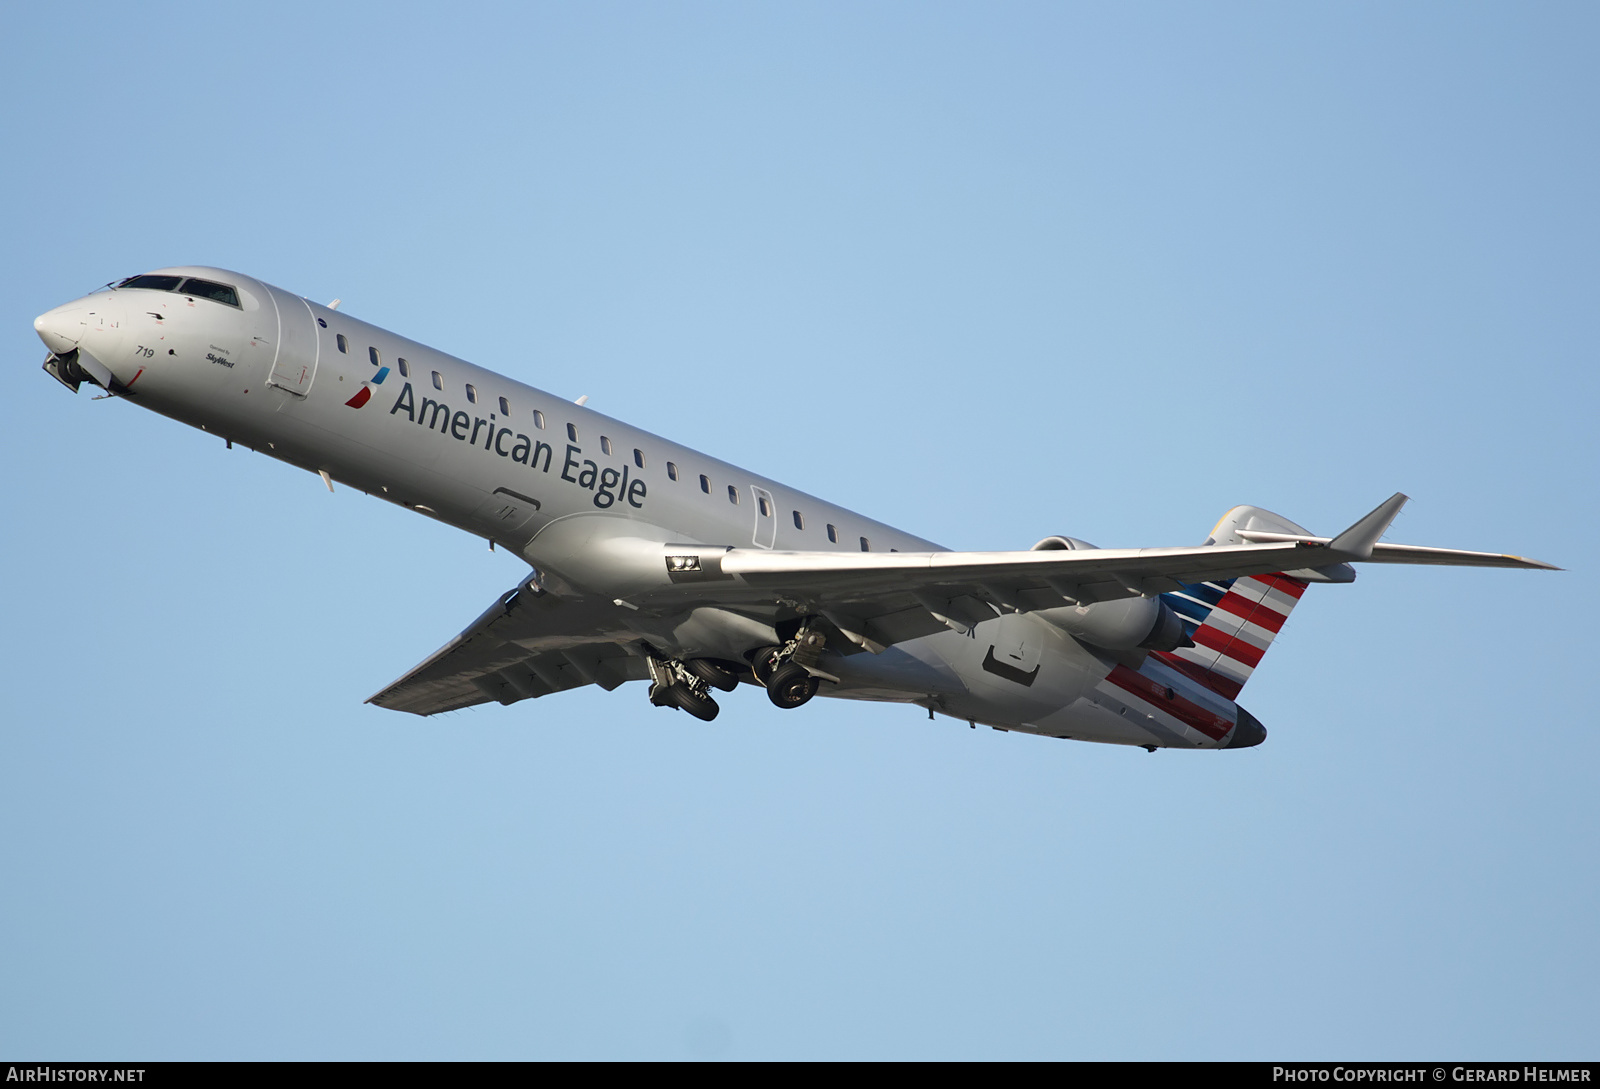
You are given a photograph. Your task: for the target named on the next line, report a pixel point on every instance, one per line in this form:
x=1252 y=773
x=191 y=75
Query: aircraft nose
x=1247 y=731
x=62 y=328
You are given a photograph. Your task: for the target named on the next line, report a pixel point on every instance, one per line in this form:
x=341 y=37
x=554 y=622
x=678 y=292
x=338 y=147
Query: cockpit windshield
x=154 y=283
x=205 y=289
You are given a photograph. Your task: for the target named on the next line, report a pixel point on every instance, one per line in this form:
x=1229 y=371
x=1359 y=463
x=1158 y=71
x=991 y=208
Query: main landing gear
x=786 y=671
x=687 y=685
x=791 y=686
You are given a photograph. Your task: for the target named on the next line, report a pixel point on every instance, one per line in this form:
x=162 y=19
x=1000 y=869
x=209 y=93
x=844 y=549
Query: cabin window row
x=765 y=506
x=472 y=394
x=606 y=447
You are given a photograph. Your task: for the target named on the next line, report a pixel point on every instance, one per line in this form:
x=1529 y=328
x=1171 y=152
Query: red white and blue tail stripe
x=1232 y=624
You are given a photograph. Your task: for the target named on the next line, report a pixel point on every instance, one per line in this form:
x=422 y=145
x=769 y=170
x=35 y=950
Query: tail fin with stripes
x=1232 y=624
x=1234 y=621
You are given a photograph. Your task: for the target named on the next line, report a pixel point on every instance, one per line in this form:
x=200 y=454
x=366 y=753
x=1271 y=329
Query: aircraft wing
x=877 y=599
x=527 y=644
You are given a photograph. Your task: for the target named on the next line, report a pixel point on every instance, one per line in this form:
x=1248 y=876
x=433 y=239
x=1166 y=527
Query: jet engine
x=1129 y=623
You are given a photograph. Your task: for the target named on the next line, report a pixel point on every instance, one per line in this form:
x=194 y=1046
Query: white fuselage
x=545 y=477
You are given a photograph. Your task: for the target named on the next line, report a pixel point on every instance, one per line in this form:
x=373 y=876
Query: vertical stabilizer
x=1233 y=621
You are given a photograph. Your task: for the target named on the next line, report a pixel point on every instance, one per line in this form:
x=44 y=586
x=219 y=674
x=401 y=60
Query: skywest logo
x=608 y=485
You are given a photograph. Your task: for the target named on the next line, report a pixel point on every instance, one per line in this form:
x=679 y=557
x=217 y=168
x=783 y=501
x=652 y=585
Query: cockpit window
x=208 y=289
x=205 y=289
x=154 y=283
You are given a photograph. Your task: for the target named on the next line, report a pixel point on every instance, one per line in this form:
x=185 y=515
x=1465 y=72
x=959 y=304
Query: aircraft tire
x=703 y=708
x=762 y=663
x=791 y=686
x=713 y=673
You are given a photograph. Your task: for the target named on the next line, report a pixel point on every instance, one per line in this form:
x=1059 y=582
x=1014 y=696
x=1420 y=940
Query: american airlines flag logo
x=364 y=394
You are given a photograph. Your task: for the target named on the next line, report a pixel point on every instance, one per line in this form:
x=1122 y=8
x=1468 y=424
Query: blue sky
x=985 y=272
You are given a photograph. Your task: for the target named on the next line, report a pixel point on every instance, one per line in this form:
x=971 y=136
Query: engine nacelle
x=1129 y=623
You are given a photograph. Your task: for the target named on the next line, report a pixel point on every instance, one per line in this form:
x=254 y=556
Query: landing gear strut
x=677 y=684
x=789 y=672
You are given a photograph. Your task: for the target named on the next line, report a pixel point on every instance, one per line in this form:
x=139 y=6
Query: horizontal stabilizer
x=1415 y=554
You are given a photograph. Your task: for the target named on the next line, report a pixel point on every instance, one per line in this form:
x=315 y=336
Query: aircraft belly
x=1016 y=669
x=1113 y=723
x=899 y=674
x=1153 y=705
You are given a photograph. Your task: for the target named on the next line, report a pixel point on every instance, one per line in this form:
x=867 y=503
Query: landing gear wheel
x=763 y=662
x=790 y=686
x=712 y=673
x=703 y=708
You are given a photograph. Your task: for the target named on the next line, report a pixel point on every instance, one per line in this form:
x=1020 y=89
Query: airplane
x=654 y=562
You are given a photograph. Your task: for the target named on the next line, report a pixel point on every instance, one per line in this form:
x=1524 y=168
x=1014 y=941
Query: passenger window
x=472 y=393
x=572 y=432
x=672 y=471
x=605 y=445
x=764 y=506
x=799 y=522
x=372 y=354
x=538 y=419
x=833 y=534
x=705 y=483
x=638 y=457
x=344 y=345
x=405 y=368
x=505 y=407
x=865 y=547
x=438 y=380
x=733 y=494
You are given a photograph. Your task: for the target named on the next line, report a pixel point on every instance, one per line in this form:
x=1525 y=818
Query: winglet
x=1357 y=541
